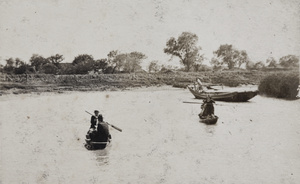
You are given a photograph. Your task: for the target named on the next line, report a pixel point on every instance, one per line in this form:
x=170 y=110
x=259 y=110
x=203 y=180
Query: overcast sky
x=263 y=28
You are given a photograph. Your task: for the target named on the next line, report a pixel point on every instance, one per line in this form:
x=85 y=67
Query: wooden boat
x=92 y=145
x=235 y=96
x=95 y=140
x=95 y=144
x=209 y=120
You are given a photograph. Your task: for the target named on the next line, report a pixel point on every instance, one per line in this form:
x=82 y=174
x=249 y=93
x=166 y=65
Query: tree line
x=185 y=48
x=116 y=62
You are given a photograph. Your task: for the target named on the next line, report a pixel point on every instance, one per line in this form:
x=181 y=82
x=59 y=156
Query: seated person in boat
x=103 y=131
x=96 y=118
x=198 y=85
x=99 y=137
x=207 y=107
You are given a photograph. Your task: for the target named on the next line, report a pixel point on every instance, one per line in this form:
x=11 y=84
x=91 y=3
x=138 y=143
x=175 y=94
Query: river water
x=162 y=140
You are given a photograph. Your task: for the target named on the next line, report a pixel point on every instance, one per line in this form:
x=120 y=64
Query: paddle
x=198 y=103
x=119 y=129
x=192 y=102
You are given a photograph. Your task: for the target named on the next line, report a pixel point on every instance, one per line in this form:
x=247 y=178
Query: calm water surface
x=162 y=141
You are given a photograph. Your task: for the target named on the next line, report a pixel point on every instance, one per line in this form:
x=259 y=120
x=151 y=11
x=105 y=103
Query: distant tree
x=1 y=68
x=119 y=62
x=230 y=56
x=272 y=62
x=9 y=67
x=83 y=58
x=185 y=49
x=37 y=61
x=197 y=66
x=112 y=54
x=215 y=62
x=205 y=68
x=153 y=66
x=133 y=61
x=49 y=68
x=83 y=63
x=259 y=65
x=165 y=68
x=242 y=58
x=56 y=59
x=19 y=62
x=16 y=66
x=108 y=70
x=67 y=68
x=100 y=64
x=21 y=67
x=85 y=67
x=10 y=62
x=250 y=65
x=116 y=60
x=289 y=61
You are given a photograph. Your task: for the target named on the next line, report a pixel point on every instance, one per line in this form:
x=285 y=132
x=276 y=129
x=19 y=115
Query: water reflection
x=102 y=156
x=210 y=129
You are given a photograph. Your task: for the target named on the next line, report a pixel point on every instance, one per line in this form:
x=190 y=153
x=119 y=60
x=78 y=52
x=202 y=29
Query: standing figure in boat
x=207 y=108
x=96 y=118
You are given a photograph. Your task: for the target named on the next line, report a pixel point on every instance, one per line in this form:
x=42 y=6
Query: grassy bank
x=59 y=83
x=280 y=85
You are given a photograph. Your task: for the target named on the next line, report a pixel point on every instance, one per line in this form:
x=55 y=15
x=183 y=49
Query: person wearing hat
x=207 y=107
x=96 y=118
x=101 y=133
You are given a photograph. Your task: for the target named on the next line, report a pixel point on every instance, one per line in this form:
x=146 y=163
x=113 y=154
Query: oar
x=198 y=103
x=114 y=127
x=119 y=129
x=192 y=102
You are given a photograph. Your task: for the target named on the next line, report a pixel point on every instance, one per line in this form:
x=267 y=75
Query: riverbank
x=40 y=83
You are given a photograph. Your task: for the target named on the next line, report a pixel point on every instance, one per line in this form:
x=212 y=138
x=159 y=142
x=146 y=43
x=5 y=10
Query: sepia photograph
x=149 y=91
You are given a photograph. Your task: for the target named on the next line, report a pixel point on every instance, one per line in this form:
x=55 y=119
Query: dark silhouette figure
x=96 y=118
x=207 y=107
x=98 y=135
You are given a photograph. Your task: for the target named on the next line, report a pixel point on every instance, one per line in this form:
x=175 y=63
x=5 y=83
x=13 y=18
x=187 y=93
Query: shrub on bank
x=280 y=85
x=228 y=79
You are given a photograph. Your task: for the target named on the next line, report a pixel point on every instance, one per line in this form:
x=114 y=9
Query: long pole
x=117 y=128
x=298 y=89
x=192 y=102
x=201 y=103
